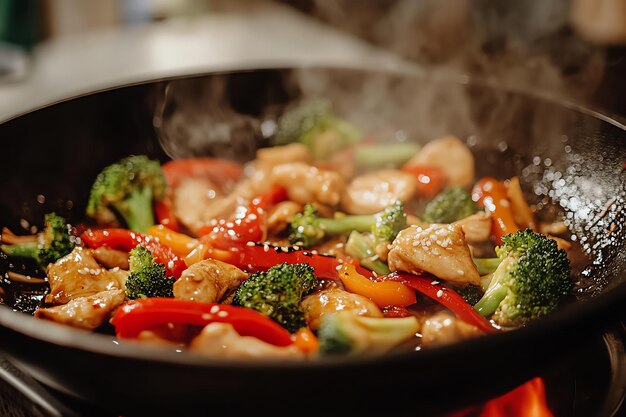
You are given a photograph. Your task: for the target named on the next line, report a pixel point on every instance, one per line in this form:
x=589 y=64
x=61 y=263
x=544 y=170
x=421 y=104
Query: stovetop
x=588 y=382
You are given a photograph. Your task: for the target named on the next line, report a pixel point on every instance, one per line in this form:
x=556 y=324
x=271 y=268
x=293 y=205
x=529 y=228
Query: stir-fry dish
x=327 y=243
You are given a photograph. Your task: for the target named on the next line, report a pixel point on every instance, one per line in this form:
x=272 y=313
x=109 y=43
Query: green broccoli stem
x=486 y=265
x=384 y=154
x=25 y=250
x=137 y=210
x=491 y=300
x=496 y=292
x=345 y=225
x=359 y=247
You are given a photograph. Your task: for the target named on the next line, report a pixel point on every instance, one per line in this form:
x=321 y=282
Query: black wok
x=571 y=163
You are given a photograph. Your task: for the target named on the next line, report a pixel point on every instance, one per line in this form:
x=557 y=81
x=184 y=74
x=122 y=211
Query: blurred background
x=573 y=49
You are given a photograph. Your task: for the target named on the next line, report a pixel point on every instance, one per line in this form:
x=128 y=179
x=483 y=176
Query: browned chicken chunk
x=445 y=328
x=333 y=300
x=477 y=227
x=440 y=249
x=208 y=281
x=79 y=275
x=373 y=192
x=268 y=158
x=220 y=340
x=450 y=154
x=280 y=215
x=111 y=258
x=308 y=184
x=85 y=312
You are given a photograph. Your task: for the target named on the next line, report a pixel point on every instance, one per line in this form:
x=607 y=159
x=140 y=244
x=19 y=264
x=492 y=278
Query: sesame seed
x=284 y=248
x=338 y=267
x=207 y=316
x=250 y=243
x=222 y=313
x=296 y=247
x=266 y=248
x=435 y=282
x=439 y=293
x=416 y=243
x=214 y=309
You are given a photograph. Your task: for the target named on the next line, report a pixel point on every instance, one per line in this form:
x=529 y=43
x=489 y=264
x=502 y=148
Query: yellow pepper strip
x=180 y=243
x=383 y=293
x=203 y=251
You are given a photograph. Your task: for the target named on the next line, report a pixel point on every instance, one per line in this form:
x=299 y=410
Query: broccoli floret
x=277 y=292
x=362 y=248
x=308 y=228
x=147 y=276
x=389 y=223
x=529 y=282
x=470 y=293
x=450 y=205
x=314 y=124
x=127 y=188
x=345 y=333
x=54 y=242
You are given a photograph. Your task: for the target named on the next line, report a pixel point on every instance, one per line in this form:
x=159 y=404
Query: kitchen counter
x=263 y=35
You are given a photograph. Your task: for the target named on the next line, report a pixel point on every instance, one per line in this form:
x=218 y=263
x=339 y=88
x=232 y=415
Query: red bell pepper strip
x=165 y=215
x=142 y=314
x=446 y=296
x=124 y=239
x=261 y=257
x=430 y=179
x=491 y=194
x=248 y=226
x=215 y=169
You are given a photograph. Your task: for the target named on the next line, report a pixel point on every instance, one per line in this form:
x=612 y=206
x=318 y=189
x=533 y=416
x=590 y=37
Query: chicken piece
x=208 y=281
x=221 y=340
x=308 y=184
x=333 y=300
x=111 y=258
x=372 y=192
x=450 y=154
x=440 y=249
x=477 y=227
x=268 y=158
x=280 y=215
x=197 y=201
x=444 y=328
x=85 y=312
x=77 y=274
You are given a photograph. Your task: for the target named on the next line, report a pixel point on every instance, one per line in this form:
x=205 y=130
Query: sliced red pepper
x=491 y=194
x=124 y=239
x=142 y=314
x=430 y=179
x=248 y=226
x=446 y=296
x=261 y=257
x=215 y=169
x=165 y=215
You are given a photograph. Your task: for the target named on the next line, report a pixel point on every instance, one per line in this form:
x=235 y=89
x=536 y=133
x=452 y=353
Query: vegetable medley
x=325 y=244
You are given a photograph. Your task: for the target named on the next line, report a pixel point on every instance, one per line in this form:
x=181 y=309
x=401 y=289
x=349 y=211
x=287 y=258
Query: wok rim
x=77 y=339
